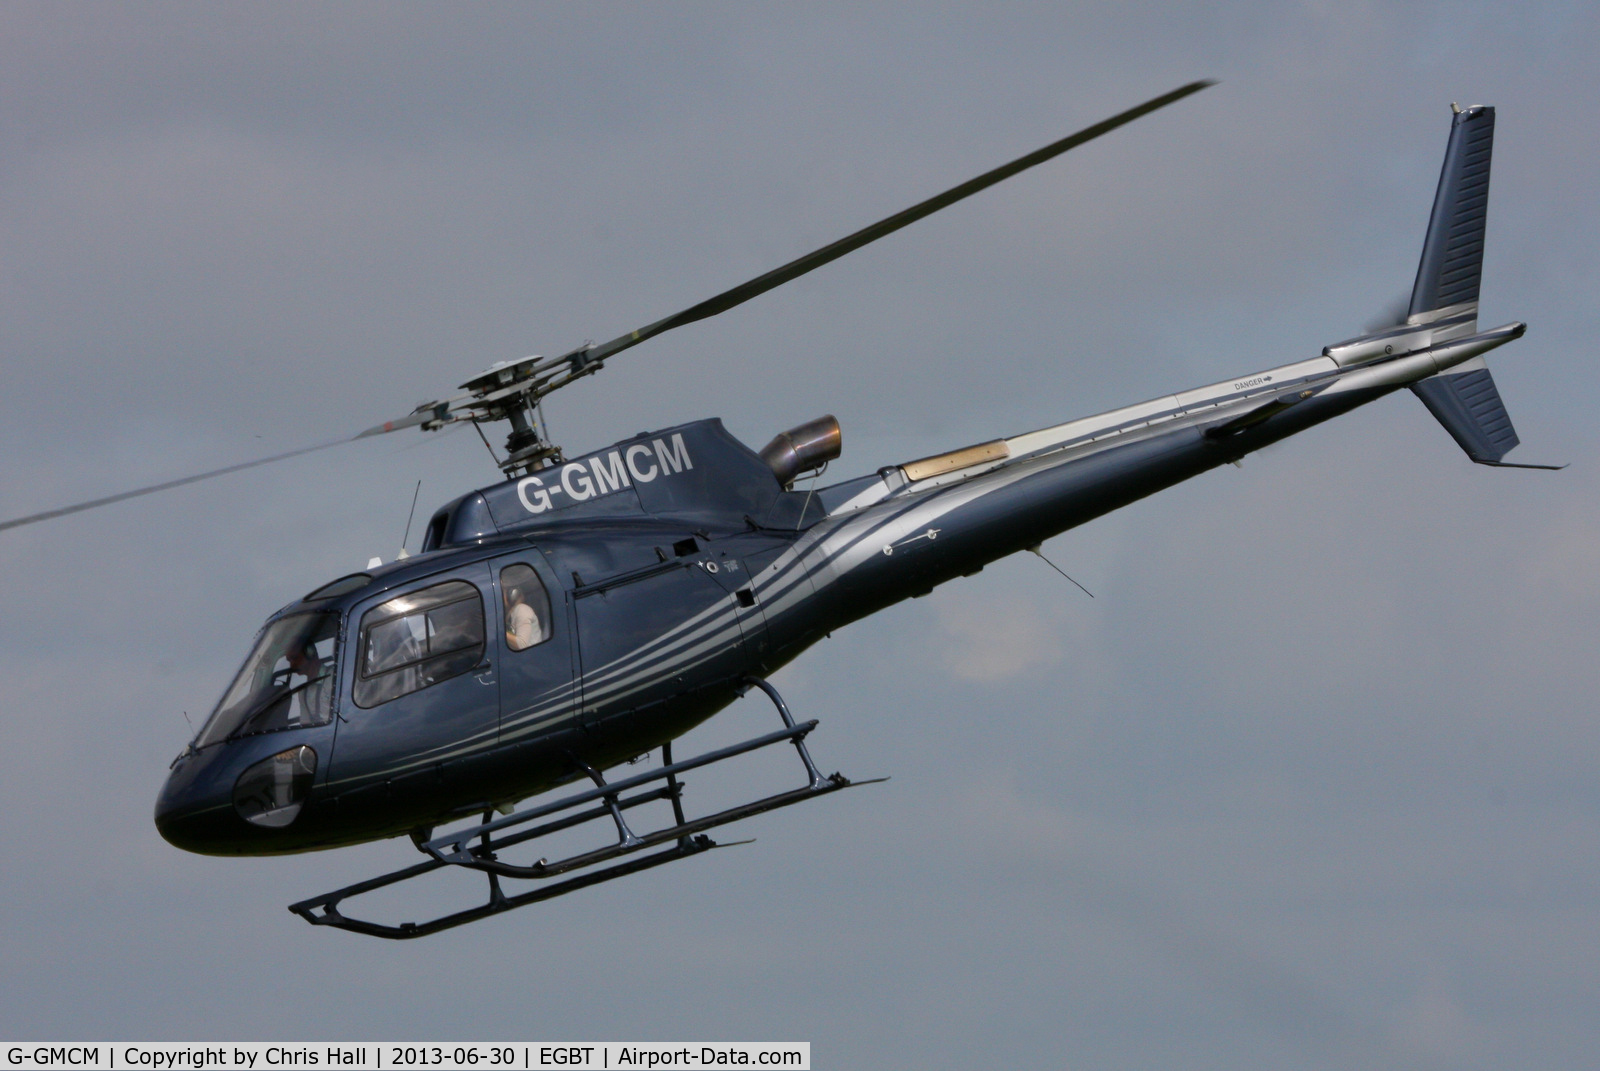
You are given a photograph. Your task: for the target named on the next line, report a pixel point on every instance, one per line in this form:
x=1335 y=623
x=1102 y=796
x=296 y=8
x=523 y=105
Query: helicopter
x=585 y=611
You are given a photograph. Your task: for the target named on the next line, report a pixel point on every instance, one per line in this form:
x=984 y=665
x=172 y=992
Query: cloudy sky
x=1311 y=782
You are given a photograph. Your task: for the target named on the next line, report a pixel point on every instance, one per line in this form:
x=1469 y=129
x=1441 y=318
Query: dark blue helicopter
x=583 y=612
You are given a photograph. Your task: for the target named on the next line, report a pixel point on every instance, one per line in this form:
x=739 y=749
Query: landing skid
x=685 y=837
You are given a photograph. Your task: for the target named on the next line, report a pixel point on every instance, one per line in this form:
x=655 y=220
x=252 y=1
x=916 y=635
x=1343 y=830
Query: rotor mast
x=509 y=391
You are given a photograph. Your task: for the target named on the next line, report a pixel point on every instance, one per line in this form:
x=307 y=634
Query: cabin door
x=538 y=674
x=422 y=701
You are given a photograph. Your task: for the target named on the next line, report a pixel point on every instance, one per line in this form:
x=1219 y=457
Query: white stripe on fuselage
x=882 y=514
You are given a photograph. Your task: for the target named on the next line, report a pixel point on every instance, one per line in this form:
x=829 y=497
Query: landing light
x=271 y=792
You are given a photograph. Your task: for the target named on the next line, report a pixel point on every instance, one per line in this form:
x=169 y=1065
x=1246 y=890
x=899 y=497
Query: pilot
x=523 y=627
x=312 y=698
x=303 y=662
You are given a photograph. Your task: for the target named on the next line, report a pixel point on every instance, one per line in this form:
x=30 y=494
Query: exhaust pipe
x=810 y=446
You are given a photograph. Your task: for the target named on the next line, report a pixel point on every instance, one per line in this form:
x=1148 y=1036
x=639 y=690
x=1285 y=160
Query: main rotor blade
x=109 y=499
x=421 y=415
x=795 y=268
x=441 y=412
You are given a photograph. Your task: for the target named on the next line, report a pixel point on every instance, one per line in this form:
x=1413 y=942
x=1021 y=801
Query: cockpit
x=286 y=683
x=408 y=671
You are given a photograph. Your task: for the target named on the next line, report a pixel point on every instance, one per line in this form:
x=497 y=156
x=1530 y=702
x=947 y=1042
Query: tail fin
x=1464 y=398
x=1452 y=255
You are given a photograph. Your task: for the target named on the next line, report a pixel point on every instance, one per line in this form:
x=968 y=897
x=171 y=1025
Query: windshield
x=286 y=683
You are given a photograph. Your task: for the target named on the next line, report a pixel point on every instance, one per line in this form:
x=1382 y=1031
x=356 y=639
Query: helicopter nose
x=193 y=831
x=193 y=811
x=235 y=800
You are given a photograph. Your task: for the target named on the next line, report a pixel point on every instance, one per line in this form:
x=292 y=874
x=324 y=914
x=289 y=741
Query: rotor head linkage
x=511 y=391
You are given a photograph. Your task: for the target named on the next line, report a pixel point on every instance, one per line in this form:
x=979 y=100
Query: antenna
x=1035 y=549
x=407 y=537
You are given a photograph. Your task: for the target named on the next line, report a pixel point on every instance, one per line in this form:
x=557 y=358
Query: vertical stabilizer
x=1452 y=255
x=1464 y=398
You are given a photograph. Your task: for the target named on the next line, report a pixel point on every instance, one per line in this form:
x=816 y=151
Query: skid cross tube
x=329 y=902
x=478 y=847
x=462 y=853
x=788 y=719
x=625 y=836
x=674 y=789
x=330 y=915
x=543 y=869
x=456 y=847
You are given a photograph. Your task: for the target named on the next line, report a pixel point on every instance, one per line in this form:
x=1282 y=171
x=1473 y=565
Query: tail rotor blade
x=1393 y=314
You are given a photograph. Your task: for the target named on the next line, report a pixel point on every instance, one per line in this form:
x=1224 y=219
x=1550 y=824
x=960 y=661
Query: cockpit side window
x=418 y=639
x=286 y=683
x=527 y=607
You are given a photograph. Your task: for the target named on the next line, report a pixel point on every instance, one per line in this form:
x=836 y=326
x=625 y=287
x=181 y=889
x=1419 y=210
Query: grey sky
x=1310 y=783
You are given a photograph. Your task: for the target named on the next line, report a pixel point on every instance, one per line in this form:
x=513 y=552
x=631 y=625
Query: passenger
x=523 y=627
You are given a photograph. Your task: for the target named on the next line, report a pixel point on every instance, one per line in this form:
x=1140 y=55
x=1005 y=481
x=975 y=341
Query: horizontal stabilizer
x=1466 y=401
